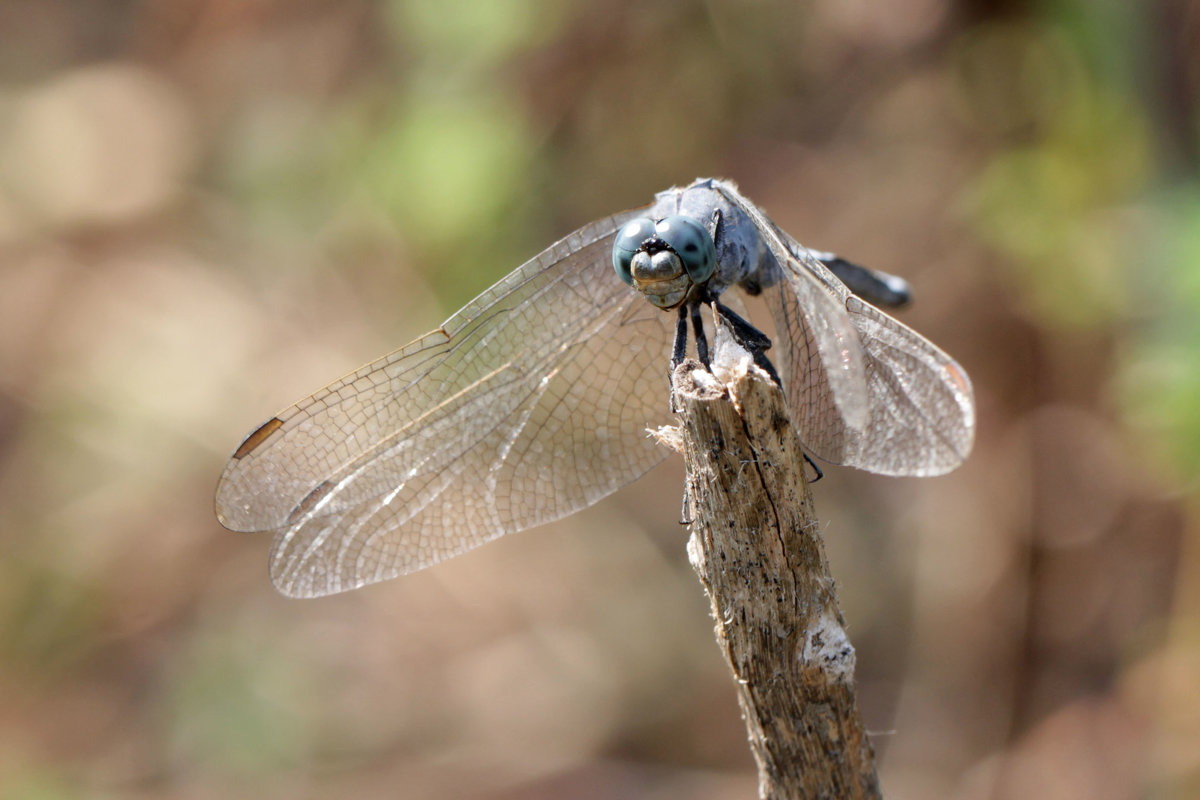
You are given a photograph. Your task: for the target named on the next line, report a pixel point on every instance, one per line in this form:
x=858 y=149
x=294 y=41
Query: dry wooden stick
x=756 y=545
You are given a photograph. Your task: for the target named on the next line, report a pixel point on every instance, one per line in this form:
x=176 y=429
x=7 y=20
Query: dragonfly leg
x=701 y=339
x=755 y=341
x=746 y=334
x=808 y=460
x=679 y=352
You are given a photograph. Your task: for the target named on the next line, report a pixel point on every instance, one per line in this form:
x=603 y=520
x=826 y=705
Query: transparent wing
x=922 y=406
x=864 y=389
x=528 y=404
x=817 y=349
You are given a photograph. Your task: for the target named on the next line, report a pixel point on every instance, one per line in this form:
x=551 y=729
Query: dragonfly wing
x=818 y=353
x=528 y=404
x=864 y=389
x=922 y=405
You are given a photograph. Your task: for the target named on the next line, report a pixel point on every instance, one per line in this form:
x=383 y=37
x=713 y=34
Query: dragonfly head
x=664 y=259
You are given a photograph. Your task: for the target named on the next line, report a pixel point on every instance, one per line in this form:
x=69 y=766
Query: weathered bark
x=756 y=545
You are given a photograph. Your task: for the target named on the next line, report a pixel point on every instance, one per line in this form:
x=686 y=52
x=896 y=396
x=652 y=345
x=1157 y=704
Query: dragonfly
x=533 y=400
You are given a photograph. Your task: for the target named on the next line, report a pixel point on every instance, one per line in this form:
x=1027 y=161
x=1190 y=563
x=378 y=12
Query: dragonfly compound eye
x=692 y=242
x=629 y=240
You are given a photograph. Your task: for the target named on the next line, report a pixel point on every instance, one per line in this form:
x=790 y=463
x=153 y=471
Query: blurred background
x=209 y=208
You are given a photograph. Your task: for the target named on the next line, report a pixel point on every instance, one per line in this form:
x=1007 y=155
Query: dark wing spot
x=311 y=499
x=258 y=437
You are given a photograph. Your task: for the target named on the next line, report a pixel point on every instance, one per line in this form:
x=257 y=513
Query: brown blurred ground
x=210 y=207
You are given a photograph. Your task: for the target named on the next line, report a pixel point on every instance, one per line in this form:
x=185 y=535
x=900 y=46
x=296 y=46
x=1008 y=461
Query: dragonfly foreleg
x=755 y=341
x=679 y=351
x=701 y=339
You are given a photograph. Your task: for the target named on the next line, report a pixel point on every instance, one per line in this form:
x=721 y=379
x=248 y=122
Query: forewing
x=864 y=389
x=921 y=405
x=817 y=348
x=529 y=403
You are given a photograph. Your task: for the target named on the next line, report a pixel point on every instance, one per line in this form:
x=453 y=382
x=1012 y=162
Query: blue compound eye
x=692 y=242
x=628 y=240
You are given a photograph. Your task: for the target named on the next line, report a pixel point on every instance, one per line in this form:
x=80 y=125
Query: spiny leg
x=680 y=350
x=755 y=341
x=697 y=328
x=744 y=332
x=808 y=460
x=701 y=339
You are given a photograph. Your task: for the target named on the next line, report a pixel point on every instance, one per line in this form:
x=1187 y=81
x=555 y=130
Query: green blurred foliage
x=446 y=172
x=1159 y=376
x=1097 y=229
x=232 y=707
x=31 y=783
x=476 y=35
x=1051 y=204
x=49 y=620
